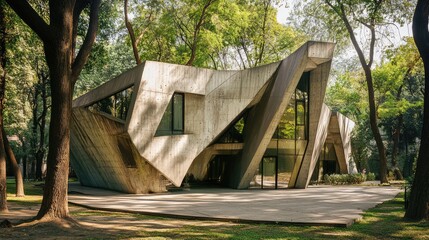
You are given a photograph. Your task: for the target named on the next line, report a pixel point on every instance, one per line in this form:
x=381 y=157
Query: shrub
x=337 y=179
x=370 y=176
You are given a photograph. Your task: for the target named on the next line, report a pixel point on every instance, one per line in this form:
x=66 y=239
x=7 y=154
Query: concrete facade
x=128 y=154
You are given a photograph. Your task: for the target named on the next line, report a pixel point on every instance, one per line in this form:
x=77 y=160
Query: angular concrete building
x=160 y=124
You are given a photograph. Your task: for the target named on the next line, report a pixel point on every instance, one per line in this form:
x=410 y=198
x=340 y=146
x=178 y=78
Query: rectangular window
x=172 y=122
x=178 y=113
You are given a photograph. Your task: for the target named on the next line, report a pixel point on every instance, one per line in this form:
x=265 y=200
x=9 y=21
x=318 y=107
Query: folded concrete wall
x=103 y=147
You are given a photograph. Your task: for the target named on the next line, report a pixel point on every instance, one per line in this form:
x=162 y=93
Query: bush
x=340 y=179
x=370 y=176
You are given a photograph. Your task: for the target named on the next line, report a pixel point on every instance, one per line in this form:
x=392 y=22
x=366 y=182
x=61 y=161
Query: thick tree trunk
x=418 y=207
x=59 y=58
x=64 y=68
x=54 y=204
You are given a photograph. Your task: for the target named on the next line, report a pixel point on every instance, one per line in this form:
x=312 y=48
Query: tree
x=40 y=111
x=60 y=45
x=150 y=9
x=368 y=15
x=418 y=207
x=261 y=39
x=394 y=99
x=3 y=60
x=19 y=183
x=190 y=17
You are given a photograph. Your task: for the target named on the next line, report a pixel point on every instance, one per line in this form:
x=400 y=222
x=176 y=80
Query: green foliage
x=398 y=83
x=370 y=176
x=230 y=34
x=322 y=21
x=340 y=179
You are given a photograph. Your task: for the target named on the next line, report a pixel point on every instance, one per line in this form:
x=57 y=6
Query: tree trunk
x=3 y=192
x=196 y=32
x=41 y=122
x=132 y=34
x=374 y=127
x=34 y=144
x=24 y=167
x=397 y=134
x=54 y=204
x=59 y=59
x=16 y=170
x=64 y=68
x=3 y=184
x=366 y=66
x=419 y=197
x=395 y=147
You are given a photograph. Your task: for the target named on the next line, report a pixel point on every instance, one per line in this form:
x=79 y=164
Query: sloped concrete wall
x=346 y=126
x=103 y=156
x=226 y=94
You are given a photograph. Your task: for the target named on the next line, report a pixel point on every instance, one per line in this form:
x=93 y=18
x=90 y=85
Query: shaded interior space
x=115 y=106
x=326 y=164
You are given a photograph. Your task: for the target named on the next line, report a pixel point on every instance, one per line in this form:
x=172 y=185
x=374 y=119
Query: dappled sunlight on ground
x=383 y=222
x=340 y=205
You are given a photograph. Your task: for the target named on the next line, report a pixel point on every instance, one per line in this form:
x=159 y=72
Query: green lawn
x=33 y=192
x=382 y=222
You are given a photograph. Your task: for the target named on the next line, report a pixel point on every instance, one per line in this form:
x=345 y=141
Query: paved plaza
x=316 y=205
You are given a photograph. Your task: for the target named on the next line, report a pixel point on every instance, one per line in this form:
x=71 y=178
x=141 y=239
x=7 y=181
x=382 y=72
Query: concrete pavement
x=316 y=205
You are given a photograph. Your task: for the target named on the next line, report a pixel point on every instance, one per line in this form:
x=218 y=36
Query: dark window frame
x=173 y=117
x=172 y=130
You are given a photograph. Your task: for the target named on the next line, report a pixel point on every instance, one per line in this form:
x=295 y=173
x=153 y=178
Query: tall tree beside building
x=343 y=19
x=65 y=65
x=418 y=207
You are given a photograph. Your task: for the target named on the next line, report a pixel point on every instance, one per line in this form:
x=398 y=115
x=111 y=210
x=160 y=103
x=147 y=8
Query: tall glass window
x=172 y=122
x=294 y=121
x=288 y=142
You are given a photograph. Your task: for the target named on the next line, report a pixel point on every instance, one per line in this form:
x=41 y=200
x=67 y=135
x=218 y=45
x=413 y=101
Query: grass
x=33 y=192
x=384 y=221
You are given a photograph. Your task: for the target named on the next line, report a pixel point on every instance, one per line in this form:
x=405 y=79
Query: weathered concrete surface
x=266 y=115
x=320 y=205
x=317 y=127
x=213 y=101
x=345 y=127
x=336 y=129
x=103 y=156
